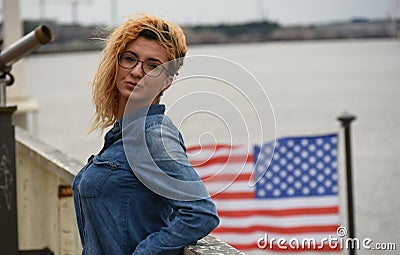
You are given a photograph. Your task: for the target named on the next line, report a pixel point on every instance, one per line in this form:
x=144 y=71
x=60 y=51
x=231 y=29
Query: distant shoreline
x=75 y=37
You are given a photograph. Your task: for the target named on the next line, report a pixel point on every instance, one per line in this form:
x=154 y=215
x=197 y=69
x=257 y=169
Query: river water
x=285 y=88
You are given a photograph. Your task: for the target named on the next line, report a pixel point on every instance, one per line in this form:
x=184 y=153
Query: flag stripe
x=232 y=195
x=211 y=147
x=226 y=178
x=247 y=238
x=232 y=169
x=279 y=230
x=222 y=160
x=205 y=154
x=278 y=204
x=229 y=186
x=295 y=221
x=280 y=213
x=287 y=248
x=311 y=241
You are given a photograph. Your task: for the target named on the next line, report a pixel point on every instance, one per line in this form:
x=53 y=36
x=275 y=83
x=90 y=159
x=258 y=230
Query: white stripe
x=205 y=154
x=229 y=186
x=276 y=204
x=287 y=221
x=232 y=169
x=252 y=238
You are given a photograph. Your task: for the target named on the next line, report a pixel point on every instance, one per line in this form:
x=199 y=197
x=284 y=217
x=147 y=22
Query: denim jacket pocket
x=96 y=175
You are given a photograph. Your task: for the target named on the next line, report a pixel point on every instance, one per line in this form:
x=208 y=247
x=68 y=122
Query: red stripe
x=233 y=195
x=222 y=160
x=212 y=147
x=280 y=248
x=225 y=178
x=280 y=213
x=278 y=230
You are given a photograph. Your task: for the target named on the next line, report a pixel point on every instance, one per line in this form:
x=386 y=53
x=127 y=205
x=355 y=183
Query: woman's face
x=133 y=83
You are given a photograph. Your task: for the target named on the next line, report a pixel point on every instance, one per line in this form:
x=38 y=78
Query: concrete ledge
x=210 y=245
x=52 y=159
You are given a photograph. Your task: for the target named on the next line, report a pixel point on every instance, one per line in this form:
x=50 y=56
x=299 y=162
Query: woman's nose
x=137 y=71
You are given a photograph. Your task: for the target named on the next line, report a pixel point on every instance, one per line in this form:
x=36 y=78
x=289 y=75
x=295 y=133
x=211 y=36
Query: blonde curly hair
x=104 y=89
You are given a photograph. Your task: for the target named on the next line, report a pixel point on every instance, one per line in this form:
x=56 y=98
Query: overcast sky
x=285 y=12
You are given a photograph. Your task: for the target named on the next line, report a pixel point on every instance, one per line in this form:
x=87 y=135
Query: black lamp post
x=8 y=183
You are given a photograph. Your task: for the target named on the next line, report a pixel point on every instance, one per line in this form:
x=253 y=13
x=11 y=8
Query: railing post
x=8 y=187
x=346 y=120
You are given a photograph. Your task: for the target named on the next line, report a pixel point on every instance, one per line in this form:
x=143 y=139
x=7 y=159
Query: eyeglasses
x=151 y=68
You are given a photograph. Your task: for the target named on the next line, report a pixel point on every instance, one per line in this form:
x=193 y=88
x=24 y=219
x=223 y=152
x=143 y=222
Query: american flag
x=292 y=193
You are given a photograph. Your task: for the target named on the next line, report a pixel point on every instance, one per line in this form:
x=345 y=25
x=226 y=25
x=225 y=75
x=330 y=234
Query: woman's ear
x=168 y=83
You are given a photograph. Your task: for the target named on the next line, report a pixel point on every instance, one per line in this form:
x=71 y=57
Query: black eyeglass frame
x=143 y=62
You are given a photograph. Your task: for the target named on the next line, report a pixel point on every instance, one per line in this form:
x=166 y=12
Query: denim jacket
x=118 y=212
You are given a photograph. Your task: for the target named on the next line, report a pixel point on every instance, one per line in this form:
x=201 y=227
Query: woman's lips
x=131 y=85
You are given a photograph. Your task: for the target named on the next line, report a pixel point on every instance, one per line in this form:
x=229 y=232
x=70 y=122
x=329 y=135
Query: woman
x=139 y=195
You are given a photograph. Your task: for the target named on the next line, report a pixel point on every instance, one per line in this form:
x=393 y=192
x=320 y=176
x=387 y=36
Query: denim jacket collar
x=115 y=132
x=153 y=109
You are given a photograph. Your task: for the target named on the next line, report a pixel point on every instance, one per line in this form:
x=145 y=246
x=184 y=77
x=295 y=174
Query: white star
x=267 y=150
x=328 y=183
x=269 y=186
x=276 y=192
x=305 y=191
x=282 y=149
x=276 y=168
x=327 y=147
x=261 y=193
x=304 y=166
x=260 y=168
x=313 y=184
x=276 y=180
x=297 y=185
x=327 y=159
x=304 y=142
x=327 y=171
x=290 y=191
x=305 y=178
x=321 y=190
